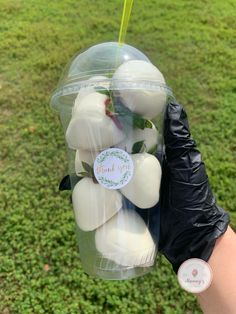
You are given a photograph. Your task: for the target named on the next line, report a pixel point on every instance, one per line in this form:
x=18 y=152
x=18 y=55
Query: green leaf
x=139 y=122
x=103 y=91
x=87 y=167
x=110 y=107
x=128 y=117
x=84 y=174
x=148 y=124
x=138 y=147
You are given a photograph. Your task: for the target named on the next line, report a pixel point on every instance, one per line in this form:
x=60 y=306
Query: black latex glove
x=191 y=221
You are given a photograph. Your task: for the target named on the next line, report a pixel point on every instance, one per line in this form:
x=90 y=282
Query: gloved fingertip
x=173 y=110
x=176 y=124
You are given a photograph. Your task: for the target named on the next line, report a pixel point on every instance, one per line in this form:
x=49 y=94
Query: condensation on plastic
x=103 y=60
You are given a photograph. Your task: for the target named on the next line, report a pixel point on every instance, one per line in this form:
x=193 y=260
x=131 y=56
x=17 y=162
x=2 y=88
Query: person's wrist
x=220 y=296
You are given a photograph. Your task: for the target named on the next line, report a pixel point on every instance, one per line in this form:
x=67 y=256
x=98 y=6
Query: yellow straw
x=125 y=20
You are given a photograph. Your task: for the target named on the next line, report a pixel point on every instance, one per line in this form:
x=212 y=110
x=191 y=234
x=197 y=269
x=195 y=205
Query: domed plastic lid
x=95 y=67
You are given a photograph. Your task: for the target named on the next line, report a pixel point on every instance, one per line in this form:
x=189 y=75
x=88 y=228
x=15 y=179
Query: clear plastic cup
x=111 y=100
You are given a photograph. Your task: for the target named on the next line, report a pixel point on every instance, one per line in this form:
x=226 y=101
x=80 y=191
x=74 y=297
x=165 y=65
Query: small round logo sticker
x=113 y=168
x=194 y=275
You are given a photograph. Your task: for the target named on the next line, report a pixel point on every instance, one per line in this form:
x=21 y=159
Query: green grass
x=192 y=42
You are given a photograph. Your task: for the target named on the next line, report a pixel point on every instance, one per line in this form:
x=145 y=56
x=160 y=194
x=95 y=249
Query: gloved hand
x=191 y=221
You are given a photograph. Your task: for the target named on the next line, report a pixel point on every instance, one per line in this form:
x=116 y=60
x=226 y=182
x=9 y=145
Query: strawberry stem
x=110 y=112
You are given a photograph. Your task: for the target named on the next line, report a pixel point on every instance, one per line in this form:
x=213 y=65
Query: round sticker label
x=195 y=275
x=113 y=168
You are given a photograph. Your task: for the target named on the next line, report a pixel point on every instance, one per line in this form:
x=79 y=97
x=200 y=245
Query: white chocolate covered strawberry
x=144 y=99
x=126 y=240
x=93 y=204
x=147 y=138
x=143 y=189
x=93 y=126
x=84 y=91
